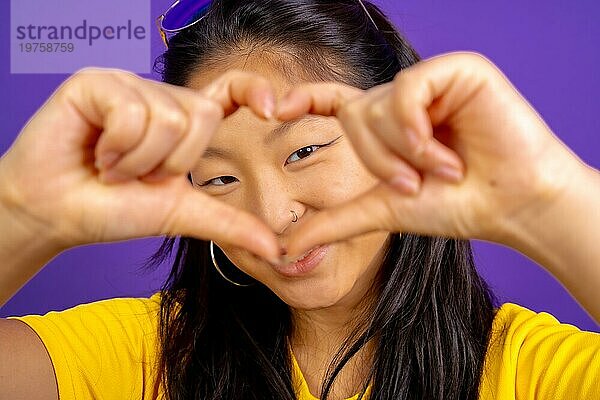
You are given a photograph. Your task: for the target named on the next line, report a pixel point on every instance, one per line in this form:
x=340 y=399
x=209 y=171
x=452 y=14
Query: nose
x=274 y=201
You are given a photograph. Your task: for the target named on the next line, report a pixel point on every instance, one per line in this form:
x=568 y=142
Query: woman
x=323 y=202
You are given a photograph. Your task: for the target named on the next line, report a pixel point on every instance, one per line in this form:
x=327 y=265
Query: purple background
x=549 y=50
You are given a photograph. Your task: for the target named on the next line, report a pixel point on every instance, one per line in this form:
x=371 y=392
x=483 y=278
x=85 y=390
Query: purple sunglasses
x=180 y=15
x=185 y=13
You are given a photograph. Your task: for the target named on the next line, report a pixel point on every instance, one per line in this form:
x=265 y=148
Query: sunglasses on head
x=185 y=13
x=180 y=15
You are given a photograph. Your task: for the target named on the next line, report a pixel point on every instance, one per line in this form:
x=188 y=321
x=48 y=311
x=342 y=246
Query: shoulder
x=118 y=320
x=517 y=328
x=518 y=322
x=530 y=351
x=103 y=349
x=140 y=311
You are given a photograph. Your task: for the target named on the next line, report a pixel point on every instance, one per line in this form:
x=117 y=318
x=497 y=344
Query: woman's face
x=268 y=168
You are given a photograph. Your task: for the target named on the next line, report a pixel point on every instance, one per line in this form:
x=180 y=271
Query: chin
x=307 y=296
x=312 y=293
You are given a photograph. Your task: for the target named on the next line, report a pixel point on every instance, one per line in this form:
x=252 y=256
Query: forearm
x=564 y=237
x=24 y=247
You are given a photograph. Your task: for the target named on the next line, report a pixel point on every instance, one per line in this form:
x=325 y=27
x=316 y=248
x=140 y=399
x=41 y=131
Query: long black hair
x=432 y=313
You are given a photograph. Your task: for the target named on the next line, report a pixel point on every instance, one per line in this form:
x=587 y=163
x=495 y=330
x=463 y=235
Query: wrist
x=560 y=231
x=559 y=199
x=24 y=246
x=21 y=231
x=559 y=183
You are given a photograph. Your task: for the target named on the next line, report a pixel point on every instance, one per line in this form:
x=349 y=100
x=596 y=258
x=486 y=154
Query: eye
x=307 y=151
x=302 y=153
x=224 y=180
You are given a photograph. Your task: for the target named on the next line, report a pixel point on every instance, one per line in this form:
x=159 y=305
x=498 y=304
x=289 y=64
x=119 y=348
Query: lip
x=305 y=265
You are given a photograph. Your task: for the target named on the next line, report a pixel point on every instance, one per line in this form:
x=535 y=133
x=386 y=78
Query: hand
x=477 y=154
x=144 y=137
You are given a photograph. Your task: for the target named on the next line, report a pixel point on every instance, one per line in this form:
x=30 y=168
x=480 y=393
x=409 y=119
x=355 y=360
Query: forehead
x=281 y=72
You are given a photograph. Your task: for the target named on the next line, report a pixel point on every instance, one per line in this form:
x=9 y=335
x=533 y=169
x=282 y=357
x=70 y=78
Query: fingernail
x=449 y=172
x=106 y=160
x=406 y=184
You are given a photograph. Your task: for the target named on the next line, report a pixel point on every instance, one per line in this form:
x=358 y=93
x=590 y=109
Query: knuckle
x=376 y=112
x=401 y=78
x=121 y=73
x=474 y=65
x=133 y=108
x=304 y=88
x=349 y=110
x=257 y=79
x=86 y=71
x=476 y=57
x=234 y=73
x=208 y=108
x=174 y=166
x=80 y=77
x=174 y=121
x=177 y=165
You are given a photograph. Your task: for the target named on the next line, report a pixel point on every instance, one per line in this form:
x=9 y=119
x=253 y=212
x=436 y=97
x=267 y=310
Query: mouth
x=304 y=264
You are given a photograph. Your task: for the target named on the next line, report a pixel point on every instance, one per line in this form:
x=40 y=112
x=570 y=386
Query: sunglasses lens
x=184 y=13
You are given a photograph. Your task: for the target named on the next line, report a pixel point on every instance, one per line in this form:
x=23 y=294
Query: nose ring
x=295 y=219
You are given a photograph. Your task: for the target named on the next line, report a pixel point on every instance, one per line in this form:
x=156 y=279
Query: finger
x=168 y=125
x=378 y=158
x=431 y=84
x=239 y=88
x=346 y=102
x=233 y=89
x=428 y=155
x=100 y=98
x=325 y=99
x=361 y=215
x=410 y=151
x=205 y=118
x=196 y=214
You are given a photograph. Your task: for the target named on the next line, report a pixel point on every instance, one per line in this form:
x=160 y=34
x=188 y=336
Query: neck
x=318 y=334
x=317 y=337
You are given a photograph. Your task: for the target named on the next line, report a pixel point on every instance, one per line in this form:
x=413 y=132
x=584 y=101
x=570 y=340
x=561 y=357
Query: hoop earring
x=214 y=261
x=295 y=217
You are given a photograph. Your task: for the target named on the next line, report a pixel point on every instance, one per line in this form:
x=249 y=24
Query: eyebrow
x=279 y=132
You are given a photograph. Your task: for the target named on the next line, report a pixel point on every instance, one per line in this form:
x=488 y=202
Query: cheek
x=366 y=252
x=336 y=180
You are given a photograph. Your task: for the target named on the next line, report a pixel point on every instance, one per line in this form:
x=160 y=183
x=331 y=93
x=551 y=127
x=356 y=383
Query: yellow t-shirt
x=108 y=350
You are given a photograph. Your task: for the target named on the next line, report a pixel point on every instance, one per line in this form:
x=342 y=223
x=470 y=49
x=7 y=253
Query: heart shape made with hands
x=457 y=150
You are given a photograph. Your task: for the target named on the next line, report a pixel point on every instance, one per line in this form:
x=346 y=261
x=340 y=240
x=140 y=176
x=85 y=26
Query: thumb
x=364 y=214
x=198 y=215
